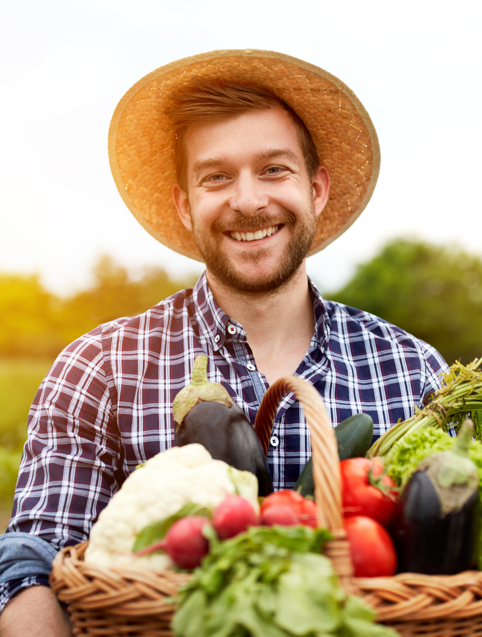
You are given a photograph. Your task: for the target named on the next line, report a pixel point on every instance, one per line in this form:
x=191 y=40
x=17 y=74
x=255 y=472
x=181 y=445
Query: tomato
x=289 y=498
x=371 y=547
x=309 y=513
x=305 y=510
x=279 y=514
x=365 y=491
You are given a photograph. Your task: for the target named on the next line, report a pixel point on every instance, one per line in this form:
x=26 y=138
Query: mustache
x=238 y=221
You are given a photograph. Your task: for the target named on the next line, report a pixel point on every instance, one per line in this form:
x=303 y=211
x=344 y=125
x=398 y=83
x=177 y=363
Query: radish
x=280 y=514
x=233 y=516
x=185 y=543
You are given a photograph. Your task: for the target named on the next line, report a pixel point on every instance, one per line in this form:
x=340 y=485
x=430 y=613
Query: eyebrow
x=271 y=153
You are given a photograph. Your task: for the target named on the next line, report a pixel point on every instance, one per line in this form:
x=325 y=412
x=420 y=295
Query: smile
x=254 y=236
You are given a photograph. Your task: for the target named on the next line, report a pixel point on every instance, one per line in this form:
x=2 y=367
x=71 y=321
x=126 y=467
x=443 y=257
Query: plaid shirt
x=106 y=404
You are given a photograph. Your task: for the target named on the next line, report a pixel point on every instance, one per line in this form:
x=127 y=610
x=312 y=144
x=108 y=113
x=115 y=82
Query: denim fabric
x=25 y=560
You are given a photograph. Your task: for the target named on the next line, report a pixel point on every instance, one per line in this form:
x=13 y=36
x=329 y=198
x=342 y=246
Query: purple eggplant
x=437 y=520
x=206 y=414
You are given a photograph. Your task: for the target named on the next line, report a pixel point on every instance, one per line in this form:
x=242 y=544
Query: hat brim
x=142 y=141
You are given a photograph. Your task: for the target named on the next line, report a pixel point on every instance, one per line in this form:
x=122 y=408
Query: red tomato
x=286 y=497
x=309 y=514
x=279 y=514
x=371 y=547
x=360 y=493
x=304 y=509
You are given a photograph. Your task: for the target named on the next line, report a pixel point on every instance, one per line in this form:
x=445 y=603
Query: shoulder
x=165 y=315
x=90 y=353
x=364 y=329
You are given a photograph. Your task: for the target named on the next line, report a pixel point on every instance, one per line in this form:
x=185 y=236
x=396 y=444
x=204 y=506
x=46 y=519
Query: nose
x=248 y=196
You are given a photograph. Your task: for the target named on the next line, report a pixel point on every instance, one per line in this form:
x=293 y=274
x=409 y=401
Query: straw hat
x=141 y=140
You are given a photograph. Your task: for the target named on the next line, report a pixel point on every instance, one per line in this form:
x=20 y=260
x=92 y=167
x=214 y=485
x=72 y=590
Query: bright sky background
x=415 y=65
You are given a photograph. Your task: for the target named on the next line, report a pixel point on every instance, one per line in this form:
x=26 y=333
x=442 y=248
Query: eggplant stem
x=199 y=374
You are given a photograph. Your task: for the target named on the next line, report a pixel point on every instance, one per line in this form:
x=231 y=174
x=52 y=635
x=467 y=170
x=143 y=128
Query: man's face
x=251 y=204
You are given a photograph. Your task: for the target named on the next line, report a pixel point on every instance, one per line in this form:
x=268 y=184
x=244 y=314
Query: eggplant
x=205 y=413
x=436 y=524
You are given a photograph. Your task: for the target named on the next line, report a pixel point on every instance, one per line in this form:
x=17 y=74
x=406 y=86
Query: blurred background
x=71 y=254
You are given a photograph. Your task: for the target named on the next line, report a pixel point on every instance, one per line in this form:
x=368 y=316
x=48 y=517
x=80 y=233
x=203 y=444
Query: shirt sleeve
x=70 y=464
x=436 y=367
x=25 y=560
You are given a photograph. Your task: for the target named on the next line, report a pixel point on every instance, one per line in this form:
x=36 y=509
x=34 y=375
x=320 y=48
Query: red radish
x=185 y=542
x=233 y=516
x=280 y=514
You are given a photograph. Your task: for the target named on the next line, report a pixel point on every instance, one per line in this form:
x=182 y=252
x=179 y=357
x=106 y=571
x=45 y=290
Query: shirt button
x=251 y=367
x=217 y=338
x=232 y=329
x=274 y=441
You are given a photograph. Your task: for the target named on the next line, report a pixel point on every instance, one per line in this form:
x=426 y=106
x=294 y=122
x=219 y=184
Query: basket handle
x=326 y=471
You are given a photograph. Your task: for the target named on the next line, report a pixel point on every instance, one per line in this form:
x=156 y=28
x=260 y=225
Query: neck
x=279 y=324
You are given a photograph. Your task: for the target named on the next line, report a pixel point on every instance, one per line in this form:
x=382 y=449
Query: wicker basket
x=108 y=602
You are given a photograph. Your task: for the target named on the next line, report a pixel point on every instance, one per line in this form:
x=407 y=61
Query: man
x=250 y=161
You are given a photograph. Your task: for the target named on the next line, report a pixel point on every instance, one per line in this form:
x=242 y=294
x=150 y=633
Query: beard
x=218 y=263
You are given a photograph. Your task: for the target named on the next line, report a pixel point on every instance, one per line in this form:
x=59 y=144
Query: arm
x=69 y=466
x=34 y=612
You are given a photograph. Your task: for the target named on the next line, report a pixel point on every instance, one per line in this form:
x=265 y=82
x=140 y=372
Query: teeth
x=254 y=236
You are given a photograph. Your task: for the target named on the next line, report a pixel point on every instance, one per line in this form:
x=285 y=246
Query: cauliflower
x=157 y=490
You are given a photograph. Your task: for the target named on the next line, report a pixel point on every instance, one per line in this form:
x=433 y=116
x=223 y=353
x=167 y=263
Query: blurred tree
x=28 y=317
x=37 y=324
x=113 y=295
x=432 y=292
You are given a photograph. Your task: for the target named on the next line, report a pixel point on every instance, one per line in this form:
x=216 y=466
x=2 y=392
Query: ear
x=321 y=189
x=181 y=201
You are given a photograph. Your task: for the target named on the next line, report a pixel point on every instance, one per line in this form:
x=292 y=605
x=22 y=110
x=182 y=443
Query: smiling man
x=251 y=199
x=250 y=161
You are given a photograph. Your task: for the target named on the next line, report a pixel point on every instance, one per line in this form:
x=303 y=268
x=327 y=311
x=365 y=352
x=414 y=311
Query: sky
x=415 y=66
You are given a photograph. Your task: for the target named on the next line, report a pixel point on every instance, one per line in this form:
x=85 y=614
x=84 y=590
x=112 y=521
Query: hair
x=206 y=100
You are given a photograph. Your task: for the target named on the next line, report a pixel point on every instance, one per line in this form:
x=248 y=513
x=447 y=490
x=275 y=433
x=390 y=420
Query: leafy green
x=459 y=397
x=157 y=531
x=409 y=451
x=270 y=582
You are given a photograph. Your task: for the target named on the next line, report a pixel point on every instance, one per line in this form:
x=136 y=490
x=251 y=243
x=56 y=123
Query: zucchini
x=354 y=437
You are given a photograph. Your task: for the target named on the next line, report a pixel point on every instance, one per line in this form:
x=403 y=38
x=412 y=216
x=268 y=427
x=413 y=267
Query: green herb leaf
x=269 y=582
x=157 y=531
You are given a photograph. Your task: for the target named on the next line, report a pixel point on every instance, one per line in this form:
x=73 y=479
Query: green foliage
x=29 y=318
x=434 y=293
x=35 y=323
x=114 y=295
x=270 y=582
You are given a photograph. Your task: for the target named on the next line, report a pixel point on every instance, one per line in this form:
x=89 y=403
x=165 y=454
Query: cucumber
x=354 y=436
